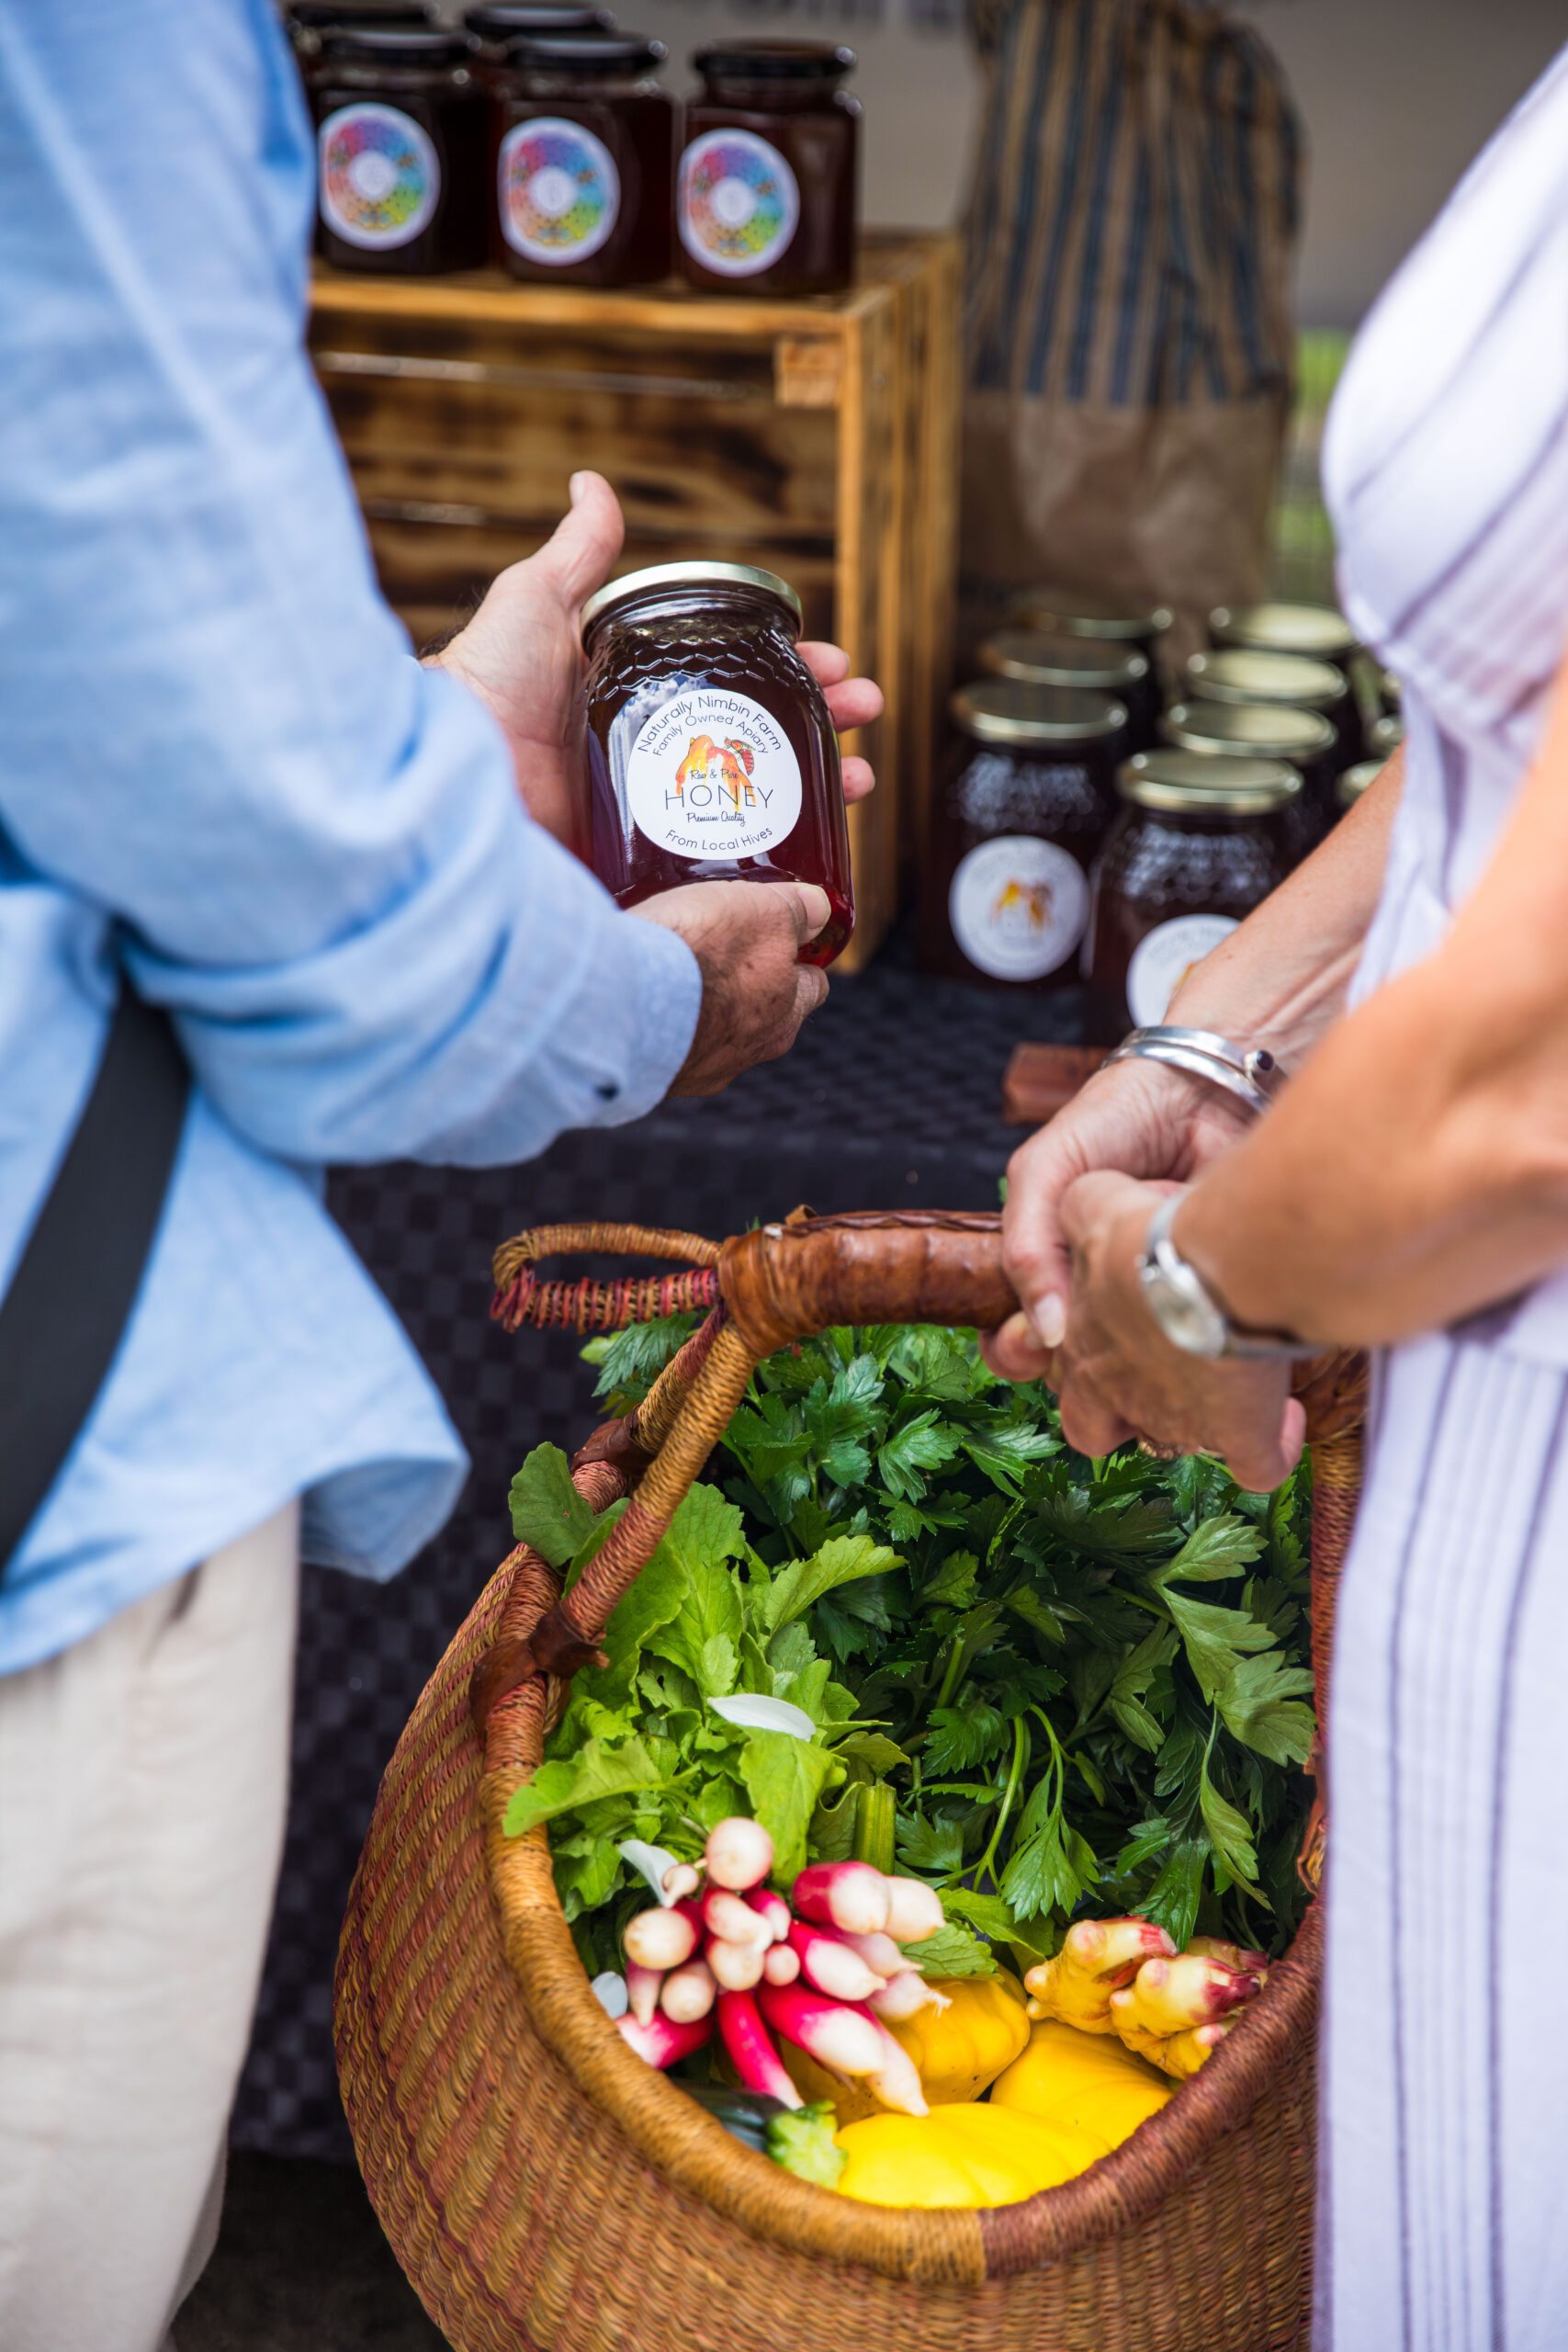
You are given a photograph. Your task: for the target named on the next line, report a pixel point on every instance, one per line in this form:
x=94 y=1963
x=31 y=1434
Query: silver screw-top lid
x=1245 y=673
x=1271 y=730
x=688 y=575
x=1081 y=662
x=1010 y=710
x=1285 y=629
x=1073 y=612
x=1195 y=784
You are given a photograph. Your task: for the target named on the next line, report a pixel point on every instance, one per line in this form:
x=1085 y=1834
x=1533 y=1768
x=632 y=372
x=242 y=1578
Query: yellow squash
x=960 y=2155
x=957 y=2051
x=1088 y=2081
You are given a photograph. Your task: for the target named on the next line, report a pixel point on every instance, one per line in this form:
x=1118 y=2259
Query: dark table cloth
x=890 y=1098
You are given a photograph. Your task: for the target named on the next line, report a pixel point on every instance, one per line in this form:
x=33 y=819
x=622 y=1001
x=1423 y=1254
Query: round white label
x=712 y=775
x=1017 y=906
x=738 y=204
x=378 y=175
x=559 y=189
x=1162 y=961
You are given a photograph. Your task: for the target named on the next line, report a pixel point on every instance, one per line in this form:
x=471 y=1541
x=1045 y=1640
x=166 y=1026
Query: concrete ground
x=301 y=2265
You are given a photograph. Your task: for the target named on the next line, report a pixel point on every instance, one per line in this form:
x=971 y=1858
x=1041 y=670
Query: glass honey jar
x=584 y=141
x=1085 y=666
x=766 y=191
x=400 y=150
x=711 y=754
x=1305 y=739
x=1199 y=843
x=1025 y=800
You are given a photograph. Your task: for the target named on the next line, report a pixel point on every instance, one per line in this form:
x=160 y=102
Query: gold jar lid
x=1385 y=735
x=1194 y=784
x=689 y=575
x=1071 y=612
x=1270 y=731
x=1009 y=710
x=1349 y=788
x=1077 y=662
x=1285 y=629
x=1245 y=673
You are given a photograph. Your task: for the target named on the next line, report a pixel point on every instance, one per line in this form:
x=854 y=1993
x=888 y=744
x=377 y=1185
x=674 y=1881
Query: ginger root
x=1096 y=1959
x=1172 y=2013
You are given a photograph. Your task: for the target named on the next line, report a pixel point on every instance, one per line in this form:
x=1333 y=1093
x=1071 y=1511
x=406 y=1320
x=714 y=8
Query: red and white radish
x=735 y=1967
x=831 y=1965
x=662 y=1938
x=751 y=2050
x=681 y=1879
x=878 y=1951
x=661 y=2041
x=738 y=1854
x=842 y=1894
x=687 y=1993
x=904 y=1996
x=773 y=1909
x=843 y=2040
x=781 y=1964
x=914 y=1910
x=730 y=1916
x=896 y=2081
x=642 y=1990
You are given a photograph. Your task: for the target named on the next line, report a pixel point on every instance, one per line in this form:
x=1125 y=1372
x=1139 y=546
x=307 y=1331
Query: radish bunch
x=824 y=1971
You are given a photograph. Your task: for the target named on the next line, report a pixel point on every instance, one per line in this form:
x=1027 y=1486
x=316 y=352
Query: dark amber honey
x=765 y=194
x=711 y=754
x=400 y=151
x=1199 y=844
x=583 y=160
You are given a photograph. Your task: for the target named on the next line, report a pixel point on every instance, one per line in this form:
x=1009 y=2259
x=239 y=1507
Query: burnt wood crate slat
x=817 y=438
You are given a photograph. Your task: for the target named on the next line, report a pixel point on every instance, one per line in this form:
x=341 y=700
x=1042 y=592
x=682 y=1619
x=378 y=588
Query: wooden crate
x=817 y=438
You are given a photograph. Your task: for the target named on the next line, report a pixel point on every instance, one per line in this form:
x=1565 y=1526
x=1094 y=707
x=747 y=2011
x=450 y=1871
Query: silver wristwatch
x=1250 y=1073
x=1185 y=1309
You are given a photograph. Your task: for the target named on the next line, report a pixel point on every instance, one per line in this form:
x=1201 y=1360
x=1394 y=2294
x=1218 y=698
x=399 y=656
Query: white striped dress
x=1443 y=2220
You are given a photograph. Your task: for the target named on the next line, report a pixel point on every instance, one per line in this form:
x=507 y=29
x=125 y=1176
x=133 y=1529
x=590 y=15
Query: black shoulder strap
x=69 y=1299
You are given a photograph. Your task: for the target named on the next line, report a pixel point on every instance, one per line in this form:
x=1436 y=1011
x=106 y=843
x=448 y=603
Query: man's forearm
x=1281 y=979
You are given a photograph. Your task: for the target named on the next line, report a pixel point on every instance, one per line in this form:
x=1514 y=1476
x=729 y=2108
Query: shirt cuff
x=631 y=1025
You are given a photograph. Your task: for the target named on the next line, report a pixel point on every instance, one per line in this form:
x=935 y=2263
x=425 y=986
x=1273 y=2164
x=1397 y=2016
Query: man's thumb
x=581 y=551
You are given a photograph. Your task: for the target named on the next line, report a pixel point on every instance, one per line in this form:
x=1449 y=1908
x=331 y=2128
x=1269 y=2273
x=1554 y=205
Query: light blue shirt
x=221 y=768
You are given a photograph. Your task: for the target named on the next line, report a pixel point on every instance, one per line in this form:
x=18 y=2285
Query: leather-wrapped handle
x=788 y=1282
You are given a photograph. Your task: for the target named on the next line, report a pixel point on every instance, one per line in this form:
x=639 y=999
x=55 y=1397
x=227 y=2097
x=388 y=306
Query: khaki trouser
x=144 y=1777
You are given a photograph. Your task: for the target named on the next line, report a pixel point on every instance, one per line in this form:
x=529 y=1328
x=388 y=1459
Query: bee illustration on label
x=728 y=764
x=1030 y=902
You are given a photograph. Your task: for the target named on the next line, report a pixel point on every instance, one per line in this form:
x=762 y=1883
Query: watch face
x=1182 y=1308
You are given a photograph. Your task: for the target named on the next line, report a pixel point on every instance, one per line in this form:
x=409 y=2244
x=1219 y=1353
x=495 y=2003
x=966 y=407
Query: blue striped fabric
x=1133 y=208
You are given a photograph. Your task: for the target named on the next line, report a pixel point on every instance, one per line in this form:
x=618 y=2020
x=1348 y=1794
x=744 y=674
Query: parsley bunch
x=1048 y=1685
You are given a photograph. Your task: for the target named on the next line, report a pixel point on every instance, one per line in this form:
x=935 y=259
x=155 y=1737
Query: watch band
x=1249 y=1073
x=1187 y=1311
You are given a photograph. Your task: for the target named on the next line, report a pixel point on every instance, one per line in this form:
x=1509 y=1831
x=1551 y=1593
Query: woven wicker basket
x=541 y=2185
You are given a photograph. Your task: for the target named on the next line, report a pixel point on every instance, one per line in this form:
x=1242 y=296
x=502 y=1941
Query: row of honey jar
x=538 y=137
x=1081 y=830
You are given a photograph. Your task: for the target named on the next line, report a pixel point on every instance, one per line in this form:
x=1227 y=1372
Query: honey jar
x=400 y=150
x=765 y=199
x=1305 y=739
x=1199 y=843
x=1114 y=620
x=1025 y=800
x=584 y=159
x=711 y=754
x=1084 y=665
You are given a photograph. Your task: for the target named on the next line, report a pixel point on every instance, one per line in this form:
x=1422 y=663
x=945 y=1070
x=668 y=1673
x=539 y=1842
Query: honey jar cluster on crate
x=1086 y=831
x=538 y=137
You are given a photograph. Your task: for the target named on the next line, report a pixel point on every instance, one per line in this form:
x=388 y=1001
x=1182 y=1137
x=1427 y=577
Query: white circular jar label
x=1162 y=961
x=558 y=190
x=738 y=205
x=378 y=175
x=1017 y=906
x=713 y=775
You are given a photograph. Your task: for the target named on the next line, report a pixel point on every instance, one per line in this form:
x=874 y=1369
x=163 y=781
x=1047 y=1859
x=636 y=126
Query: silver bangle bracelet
x=1248 y=1073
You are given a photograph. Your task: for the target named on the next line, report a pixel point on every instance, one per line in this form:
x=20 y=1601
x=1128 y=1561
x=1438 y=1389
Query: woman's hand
x=1118 y=1376
x=1139 y=1119
x=521 y=654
